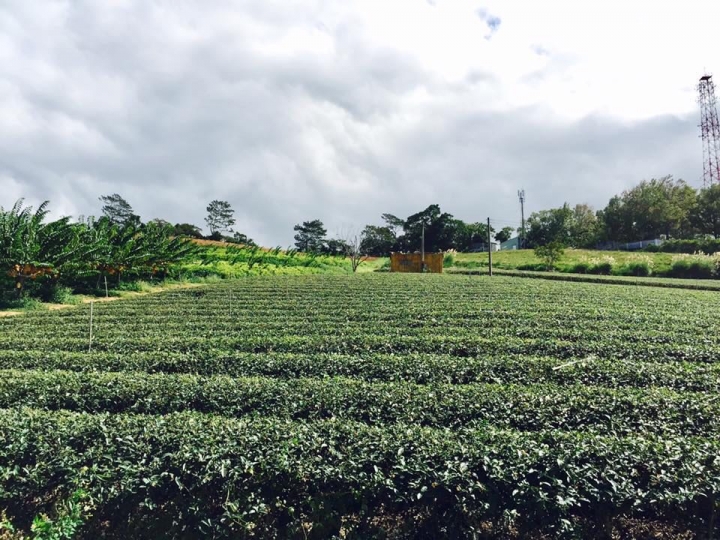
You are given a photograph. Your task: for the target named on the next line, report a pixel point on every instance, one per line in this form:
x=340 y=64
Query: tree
x=187 y=229
x=148 y=249
x=440 y=228
x=393 y=223
x=550 y=254
x=660 y=207
x=239 y=238
x=32 y=249
x=118 y=211
x=652 y=208
x=706 y=214
x=377 y=241
x=467 y=235
x=160 y=222
x=442 y=232
x=310 y=236
x=504 y=234
x=353 y=250
x=334 y=246
x=348 y=245
x=577 y=227
x=220 y=216
x=548 y=226
x=615 y=223
x=584 y=227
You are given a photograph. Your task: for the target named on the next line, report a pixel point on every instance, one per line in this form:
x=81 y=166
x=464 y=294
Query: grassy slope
x=269 y=262
x=218 y=267
x=513 y=259
x=672 y=283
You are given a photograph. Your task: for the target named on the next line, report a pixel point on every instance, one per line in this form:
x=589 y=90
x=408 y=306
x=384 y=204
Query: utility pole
x=489 y=248
x=422 y=248
x=521 y=196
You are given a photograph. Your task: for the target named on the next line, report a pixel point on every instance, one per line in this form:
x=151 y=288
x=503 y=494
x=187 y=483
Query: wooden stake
x=91 y=326
x=489 y=248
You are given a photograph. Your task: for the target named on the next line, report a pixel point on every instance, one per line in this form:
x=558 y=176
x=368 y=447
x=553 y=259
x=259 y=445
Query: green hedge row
x=460 y=338
x=460 y=346
x=524 y=408
x=707 y=246
x=666 y=283
x=413 y=368
x=366 y=315
x=190 y=475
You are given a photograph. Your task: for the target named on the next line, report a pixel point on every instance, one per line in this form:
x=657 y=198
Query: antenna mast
x=709 y=131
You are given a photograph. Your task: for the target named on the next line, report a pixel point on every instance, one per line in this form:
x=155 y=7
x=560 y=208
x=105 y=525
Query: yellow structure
x=412 y=262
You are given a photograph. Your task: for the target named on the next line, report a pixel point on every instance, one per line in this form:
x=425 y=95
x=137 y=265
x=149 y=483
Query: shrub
x=692 y=269
x=133 y=286
x=707 y=246
x=59 y=294
x=550 y=254
x=468 y=264
x=636 y=268
x=603 y=268
x=449 y=259
x=602 y=265
x=258 y=470
x=695 y=266
x=70 y=518
x=580 y=268
x=533 y=267
x=28 y=303
x=639 y=265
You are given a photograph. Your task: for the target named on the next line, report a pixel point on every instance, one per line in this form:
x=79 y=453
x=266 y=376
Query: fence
x=412 y=262
x=630 y=246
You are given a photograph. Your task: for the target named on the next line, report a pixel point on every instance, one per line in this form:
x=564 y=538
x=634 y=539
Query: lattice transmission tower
x=709 y=131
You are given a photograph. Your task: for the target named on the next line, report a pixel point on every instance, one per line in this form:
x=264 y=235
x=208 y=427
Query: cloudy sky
x=343 y=110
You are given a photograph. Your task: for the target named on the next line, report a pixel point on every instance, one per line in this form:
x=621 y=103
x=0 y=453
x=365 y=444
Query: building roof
x=514 y=241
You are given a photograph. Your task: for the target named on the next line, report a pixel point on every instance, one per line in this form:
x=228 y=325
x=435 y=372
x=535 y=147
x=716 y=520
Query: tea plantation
x=368 y=406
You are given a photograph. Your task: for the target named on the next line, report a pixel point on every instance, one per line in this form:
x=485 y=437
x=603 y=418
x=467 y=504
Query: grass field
x=368 y=406
x=225 y=261
x=672 y=283
x=215 y=262
x=525 y=258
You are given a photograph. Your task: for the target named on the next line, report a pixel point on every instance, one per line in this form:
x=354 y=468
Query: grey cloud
x=586 y=161
x=171 y=104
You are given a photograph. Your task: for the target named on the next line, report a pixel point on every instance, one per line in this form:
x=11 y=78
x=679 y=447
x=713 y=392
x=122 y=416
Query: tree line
x=119 y=243
x=43 y=256
x=442 y=232
x=220 y=220
x=654 y=209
